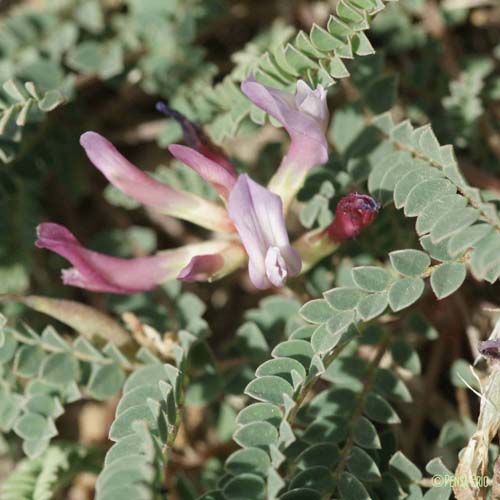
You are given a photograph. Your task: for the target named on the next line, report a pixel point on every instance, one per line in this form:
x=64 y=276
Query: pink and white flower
x=305 y=117
x=258 y=216
x=102 y=273
x=150 y=192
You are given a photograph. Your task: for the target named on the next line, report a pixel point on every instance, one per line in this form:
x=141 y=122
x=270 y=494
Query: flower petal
x=276 y=269
x=258 y=216
x=148 y=191
x=96 y=271
x=305 y=117
x=201 y=268
x=211 y=267
x=215 y=174
x=102 y=273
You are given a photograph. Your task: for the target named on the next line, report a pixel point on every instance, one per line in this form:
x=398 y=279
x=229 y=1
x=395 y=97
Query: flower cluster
x=249 y=224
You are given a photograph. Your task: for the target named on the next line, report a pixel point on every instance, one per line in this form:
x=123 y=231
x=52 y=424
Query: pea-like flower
x=305 y=117
x=102 y=273
x=150 y=192
x=258 y=216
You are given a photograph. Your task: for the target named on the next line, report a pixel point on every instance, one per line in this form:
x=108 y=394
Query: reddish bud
x=353 y=213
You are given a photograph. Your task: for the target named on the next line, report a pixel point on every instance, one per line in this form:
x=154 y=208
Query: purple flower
x=305 y=118
x=353 y=213
x=255 y=211
x=148 y=191
x=258 y=216
x=102 y=273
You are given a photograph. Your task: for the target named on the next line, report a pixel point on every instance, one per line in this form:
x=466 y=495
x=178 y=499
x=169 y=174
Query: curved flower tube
x=215 y=174
x=148 y=191
x=101 y=273
x=305 y=118
x=258 y=216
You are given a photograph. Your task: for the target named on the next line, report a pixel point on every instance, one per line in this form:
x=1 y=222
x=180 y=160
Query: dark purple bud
x=353 y=213
x=195 y=137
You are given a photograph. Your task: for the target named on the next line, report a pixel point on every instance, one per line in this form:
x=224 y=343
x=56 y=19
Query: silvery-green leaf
x=373 y=305
x=410 y=262
x=344 y=298
x=256 y=434
x=297 y=349
x=316 y=311
x=371 y=278
x=269 y=389
x=405 y=292
x=364 y=434
x=404 y=468
x=251 y=460
x=362 y=465
x=447 y=278
x=351 y=488
x=260 y=412
x=378 y=409
x=281 y=367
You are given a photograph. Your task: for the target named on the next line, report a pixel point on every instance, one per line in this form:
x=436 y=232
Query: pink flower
x=258 y=216
x=148 y=191
x=305 y=117
x=215 y=174
x=196 y=139
x=255 y=213
x=102 y=273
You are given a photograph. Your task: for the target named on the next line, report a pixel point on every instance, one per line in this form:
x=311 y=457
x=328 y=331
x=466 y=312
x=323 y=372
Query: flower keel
x=258 y=216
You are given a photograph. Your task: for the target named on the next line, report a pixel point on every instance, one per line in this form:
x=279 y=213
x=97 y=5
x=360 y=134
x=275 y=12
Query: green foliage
x=48 y=57
x=19 y=105
x=308 y=392
x=43 y=478
x=56 y=369
x=464 y=103
x=295 y=445
x=317 y=57
x=454 y=221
